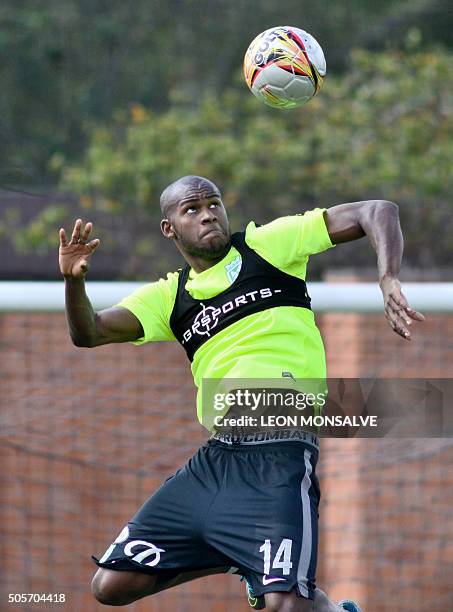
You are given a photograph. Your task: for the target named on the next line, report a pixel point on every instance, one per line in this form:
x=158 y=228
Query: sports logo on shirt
x=208 y=318
x=205 y=320
x=233 y=268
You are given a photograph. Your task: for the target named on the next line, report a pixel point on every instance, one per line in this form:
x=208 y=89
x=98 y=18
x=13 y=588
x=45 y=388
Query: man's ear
x=166 y=228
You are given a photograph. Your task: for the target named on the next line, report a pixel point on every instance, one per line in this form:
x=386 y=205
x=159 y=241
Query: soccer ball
x=284 y=67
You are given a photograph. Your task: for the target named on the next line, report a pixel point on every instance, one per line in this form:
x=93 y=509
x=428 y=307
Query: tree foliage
x=382 y=131
x=69 y=64
x=110 y=101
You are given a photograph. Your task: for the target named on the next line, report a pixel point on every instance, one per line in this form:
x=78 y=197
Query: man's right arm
x=87 y=327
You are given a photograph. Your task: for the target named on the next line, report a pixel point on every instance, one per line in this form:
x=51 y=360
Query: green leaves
x=39 y=235
x=383 y=130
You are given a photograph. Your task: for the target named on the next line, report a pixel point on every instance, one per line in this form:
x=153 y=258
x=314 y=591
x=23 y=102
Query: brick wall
x=385 y=517
x=86 y=435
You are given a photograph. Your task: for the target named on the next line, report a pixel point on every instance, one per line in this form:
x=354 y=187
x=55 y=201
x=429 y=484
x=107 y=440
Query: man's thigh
x=266 y=517
x=289 y=602
x=167 y=534
x=113 y=587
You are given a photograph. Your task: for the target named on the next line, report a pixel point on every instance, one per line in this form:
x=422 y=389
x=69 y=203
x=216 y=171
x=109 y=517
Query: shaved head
x=196 y=220
x=186 y=188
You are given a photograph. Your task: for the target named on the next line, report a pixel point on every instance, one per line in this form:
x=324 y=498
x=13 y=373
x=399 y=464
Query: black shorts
x=251 y=510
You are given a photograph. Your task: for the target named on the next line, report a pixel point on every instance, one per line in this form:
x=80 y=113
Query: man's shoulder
x=288 y=241
x=259 y=235
x=285 y=221
x=165 y=287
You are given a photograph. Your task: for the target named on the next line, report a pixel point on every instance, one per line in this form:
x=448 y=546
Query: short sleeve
x=288 y=242
x=152 y=304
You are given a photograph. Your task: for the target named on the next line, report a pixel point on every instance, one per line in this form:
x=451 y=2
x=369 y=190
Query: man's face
x=199 y=223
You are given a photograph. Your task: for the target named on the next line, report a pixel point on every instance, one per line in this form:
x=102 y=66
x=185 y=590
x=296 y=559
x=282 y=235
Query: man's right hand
x=74 y=256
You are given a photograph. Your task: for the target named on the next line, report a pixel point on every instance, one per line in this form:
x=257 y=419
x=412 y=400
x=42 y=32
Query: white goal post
x=20 y=296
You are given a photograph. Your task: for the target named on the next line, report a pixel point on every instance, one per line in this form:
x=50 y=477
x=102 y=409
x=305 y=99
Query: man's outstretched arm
x=87 y=327
x=379 y=220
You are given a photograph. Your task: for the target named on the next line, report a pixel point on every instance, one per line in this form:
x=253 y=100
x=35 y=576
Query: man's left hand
x=397 y=310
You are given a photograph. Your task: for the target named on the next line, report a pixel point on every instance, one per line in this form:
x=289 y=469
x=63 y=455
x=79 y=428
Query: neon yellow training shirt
x=260 y=345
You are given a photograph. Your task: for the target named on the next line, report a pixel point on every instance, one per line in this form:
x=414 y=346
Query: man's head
x=195 y=219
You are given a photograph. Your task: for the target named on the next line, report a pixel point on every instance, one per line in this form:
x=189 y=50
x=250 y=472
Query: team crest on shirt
x=233 y=268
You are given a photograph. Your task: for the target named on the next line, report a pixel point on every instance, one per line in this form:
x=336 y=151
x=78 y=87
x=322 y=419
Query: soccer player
x=240 y=309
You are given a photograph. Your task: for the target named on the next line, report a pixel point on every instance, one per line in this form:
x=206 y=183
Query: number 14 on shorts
x=282 y=558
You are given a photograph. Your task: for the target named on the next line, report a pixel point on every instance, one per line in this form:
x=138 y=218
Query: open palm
x=74 y=256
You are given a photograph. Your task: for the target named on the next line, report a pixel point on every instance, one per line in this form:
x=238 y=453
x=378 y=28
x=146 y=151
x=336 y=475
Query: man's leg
x=290 y=602
x=119 y=588
x=164 y=535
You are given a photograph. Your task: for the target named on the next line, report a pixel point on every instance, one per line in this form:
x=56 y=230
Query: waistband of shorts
x=265 y=437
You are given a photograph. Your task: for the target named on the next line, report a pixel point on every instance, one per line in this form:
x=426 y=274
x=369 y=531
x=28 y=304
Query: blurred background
x=103 y=104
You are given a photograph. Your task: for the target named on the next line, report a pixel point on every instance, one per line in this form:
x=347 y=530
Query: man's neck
x=199 y=264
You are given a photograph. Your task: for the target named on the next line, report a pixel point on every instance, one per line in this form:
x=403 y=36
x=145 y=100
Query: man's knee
x=115 y=588
x=287 y=602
